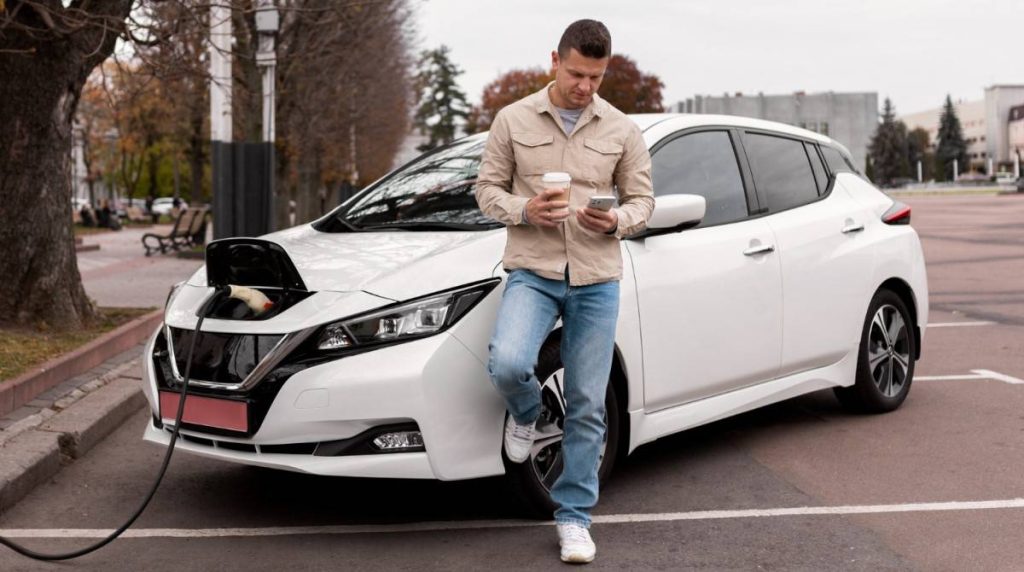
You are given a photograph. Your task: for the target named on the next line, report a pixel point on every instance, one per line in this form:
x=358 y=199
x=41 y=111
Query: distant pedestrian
x=149 y=209
x=103 y=214
x=88 y=219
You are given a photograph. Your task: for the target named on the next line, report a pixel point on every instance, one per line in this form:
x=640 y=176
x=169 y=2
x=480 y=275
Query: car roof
x=677 y=121
x=683 y=120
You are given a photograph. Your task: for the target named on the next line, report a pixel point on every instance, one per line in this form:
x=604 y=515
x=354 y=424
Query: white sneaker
x=518 y=439
x=577 y=546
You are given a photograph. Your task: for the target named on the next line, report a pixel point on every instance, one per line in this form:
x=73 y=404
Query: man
x=563 y=258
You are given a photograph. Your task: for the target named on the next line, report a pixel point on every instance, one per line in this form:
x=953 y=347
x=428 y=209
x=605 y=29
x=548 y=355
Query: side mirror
x=674 y=213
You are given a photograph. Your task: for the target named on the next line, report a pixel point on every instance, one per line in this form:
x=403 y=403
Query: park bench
x=189 y=230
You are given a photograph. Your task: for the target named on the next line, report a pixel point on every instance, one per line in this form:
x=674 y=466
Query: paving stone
x=93 y=417
x=21 y=413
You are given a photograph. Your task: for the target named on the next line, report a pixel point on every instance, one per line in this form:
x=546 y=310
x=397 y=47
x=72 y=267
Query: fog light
x=399 y=441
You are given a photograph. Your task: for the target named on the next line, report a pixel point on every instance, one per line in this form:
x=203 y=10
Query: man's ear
x=554 y=61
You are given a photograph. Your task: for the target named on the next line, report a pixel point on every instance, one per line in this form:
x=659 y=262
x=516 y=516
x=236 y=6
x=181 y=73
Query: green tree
x=888 y=148
x=949 y=143
x=441 y=103
x=917 y=150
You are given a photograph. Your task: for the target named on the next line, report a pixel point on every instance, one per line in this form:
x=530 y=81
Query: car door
x=709 y=298
x=825 y=257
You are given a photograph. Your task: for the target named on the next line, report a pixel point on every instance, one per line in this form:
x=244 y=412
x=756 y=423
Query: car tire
x=885 y=362
x=531 y=480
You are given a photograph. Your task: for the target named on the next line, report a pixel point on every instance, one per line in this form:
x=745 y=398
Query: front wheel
x=885 y=364
x=532 y=479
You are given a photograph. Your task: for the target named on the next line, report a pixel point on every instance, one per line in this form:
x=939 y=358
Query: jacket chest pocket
x=534 y=153
x=600 y=156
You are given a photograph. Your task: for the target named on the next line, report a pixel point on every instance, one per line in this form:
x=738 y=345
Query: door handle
x=853 y=228
x=754 y=251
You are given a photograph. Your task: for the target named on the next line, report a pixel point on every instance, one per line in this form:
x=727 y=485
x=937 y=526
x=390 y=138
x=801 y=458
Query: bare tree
x=344 y=94
x=47 y=51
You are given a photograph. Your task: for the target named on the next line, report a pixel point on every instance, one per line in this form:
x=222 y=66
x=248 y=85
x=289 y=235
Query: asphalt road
x=956 y=440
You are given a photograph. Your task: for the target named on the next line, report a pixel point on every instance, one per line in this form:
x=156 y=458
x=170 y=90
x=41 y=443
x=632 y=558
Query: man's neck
x=556 y=100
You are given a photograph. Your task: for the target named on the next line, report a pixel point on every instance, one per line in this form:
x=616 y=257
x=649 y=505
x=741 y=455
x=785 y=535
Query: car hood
x=394 y=264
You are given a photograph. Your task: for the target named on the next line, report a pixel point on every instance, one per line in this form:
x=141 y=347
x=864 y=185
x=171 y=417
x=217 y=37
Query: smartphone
x=601 y=202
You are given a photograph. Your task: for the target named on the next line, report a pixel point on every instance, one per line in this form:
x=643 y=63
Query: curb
x=24 y=388
x=34 y=456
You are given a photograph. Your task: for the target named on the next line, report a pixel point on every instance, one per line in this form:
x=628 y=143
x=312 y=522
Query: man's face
x=577 y=78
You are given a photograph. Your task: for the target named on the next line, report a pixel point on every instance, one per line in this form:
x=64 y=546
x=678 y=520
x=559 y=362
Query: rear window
x=781 y=169
x=837 y=162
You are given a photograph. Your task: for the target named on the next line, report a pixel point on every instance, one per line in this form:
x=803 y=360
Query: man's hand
x=598 y=220
x=542 y=211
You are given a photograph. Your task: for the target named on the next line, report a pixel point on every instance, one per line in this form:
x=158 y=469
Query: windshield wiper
x=429 y=226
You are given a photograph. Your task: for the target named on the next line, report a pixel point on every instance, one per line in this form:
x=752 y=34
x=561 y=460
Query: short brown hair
x=588 y=37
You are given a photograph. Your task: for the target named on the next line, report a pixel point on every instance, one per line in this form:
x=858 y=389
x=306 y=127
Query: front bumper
x=434 y=382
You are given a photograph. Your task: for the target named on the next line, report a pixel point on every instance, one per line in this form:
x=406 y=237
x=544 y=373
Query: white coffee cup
x=562 y=182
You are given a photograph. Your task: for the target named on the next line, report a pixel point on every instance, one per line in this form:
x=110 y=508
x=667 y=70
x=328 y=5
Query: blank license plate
x=206 y=411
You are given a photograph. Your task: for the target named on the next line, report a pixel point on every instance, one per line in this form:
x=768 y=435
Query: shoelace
x=574 y=533
x=521 y=431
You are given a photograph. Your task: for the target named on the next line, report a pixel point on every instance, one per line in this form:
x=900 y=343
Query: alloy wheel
x=889 y=350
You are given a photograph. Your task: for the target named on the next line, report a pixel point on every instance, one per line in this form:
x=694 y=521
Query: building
x=850 y=118
x=999 y=100
x=972 y=120
x=987 y=124
x=1015 y=137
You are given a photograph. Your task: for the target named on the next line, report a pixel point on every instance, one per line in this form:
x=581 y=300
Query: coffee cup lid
x=557 y=177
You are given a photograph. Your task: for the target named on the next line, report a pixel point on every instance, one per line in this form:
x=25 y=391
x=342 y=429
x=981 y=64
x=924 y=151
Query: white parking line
x=977 y=374
x=959 y=324
x=482 y=524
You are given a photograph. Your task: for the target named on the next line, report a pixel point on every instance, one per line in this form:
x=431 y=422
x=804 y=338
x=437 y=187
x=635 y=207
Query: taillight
x=898 y=213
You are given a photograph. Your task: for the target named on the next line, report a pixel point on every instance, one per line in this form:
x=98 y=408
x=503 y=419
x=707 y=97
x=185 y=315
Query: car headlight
x=404 y=321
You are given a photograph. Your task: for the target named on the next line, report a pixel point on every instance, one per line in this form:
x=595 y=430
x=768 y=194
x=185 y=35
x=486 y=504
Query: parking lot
x=801 y=485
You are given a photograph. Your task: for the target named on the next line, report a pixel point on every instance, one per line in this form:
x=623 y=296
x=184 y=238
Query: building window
x=824 y=128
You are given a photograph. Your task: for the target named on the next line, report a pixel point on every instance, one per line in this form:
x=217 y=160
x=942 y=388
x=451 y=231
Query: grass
x=21 y=350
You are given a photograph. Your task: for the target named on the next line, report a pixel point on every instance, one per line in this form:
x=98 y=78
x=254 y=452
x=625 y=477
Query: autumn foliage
x=508 y=88
x=624 y=86
x=629 y=89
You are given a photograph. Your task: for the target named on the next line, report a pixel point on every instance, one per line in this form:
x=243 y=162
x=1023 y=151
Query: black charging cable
x=222 y=291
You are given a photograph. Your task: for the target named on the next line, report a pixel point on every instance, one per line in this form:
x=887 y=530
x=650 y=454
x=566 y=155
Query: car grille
x=224 y=358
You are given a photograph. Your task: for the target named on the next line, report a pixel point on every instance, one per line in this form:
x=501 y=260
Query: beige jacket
x=605 y=154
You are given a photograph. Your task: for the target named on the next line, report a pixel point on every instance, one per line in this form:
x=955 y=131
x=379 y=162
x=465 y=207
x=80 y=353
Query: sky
x=913 y=51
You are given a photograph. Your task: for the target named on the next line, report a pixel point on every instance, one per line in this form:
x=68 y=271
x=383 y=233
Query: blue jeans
x=529 y=309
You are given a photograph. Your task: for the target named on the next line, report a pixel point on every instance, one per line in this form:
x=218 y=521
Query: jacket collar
x=542 y=103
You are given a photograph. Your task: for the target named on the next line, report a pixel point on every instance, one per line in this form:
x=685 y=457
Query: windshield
x=434 y=192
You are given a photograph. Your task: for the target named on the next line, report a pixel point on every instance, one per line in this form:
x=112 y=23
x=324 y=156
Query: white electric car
x=769 y=269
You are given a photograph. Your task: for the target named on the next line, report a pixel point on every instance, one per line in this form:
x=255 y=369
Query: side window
x=702 y=164
x=820 y=176
x=781 y=170
x=837 y=162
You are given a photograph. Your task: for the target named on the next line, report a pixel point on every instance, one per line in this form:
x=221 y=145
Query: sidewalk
x=120 y=275
x=64 y=423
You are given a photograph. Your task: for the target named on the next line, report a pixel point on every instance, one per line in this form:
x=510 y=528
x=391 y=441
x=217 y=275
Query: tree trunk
x=42 y=81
